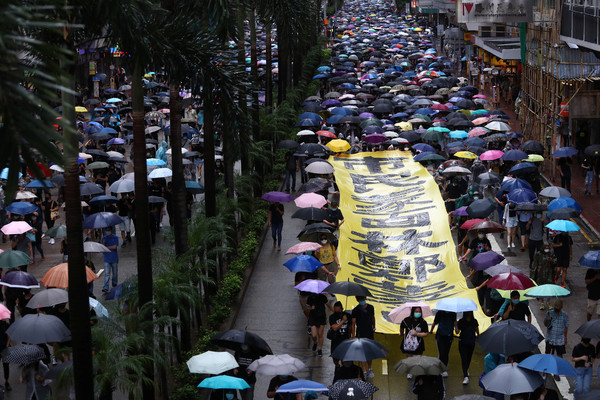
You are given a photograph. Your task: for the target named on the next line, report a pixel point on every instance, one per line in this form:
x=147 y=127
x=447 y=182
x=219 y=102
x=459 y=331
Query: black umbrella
x=347 y=288
x=410 y=136
x=563 y=213
x=311 y=149
x=383 y=108
x=314 y=235
x=593 y=150
x=312 y=107
x=533 y=146
x=288 y=144
x=314 y=185
x=465 y=104
x=351 y=389
x=97 y=152
x=510 y=337
x=359 y=349
x=531 y=207
x=496 y=137
x=316 y=225
x=234 y=338
x=90 y=189
x=488 y=178
x=22 y=354
x=310 y=214
x=481 y=208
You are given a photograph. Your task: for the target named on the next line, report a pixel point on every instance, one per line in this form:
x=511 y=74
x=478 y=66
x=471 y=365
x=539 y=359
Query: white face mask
x=324 y=241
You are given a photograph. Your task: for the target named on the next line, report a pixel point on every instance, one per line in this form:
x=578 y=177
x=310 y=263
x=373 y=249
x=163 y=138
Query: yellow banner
x=396 y=239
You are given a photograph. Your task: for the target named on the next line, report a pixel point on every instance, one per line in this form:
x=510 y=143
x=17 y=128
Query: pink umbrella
x=310 y=200
x=480 y=121
x=164 y=111
x=477 y=132
x=491 y=155
x=303 y=247
x=398 y=314
x=4 y=312
x=480 y=96
x=16 y=228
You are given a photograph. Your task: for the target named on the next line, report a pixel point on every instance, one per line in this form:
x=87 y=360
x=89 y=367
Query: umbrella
x=564 y=202
x=303 y=263
x=97 y=165
x=351 y=389
x=468 y=224
x=498 y=126
x=40 y=184
x=591 y=259
x=21 y=208
x=555 y=191
x=320 y=168
x=311 y=285
x=310 y=200
x=488 y=178
x=455 y=305
x=491 y=155
x=90 y=189
x=520 y=196
x=48 y=298
x=281 y=364
x=501 y=269
x=4 y=312
x=359 y=349
x=348 y=288
x=98 y=308
x=564 y=152
x=481 y=208
x=101 y=220
x=58 y=277
x=511 y=379
x=26 y=194
x=338 y=145
x=510 y=281
x=487 y=227
x=303 y=247
x=514 y=155
x=590 y=329
x=398 y=314
x=23 y=354
x=314 y=185
x=160 y=173
x=38 y=329
x=121 y=289
x=548 y=290
x=456 y=170
x=533 y=146
x=13 y=258
x=224 y=382
x=461 y=211
x=155 y=161
x=310 y=214
x=16 y=228
x=288 y=144
x=314 y=235
x=212 y=362
x=530 y=207
x=563 y=213
x=523 y=168
x=514 y=183
x=234 y=338
x=563 y=225
x=19 y=279
x=301 y=386
x=420 y=365
x=95 y=247
x=510 y=337
x=57 y=231
x=122 y=186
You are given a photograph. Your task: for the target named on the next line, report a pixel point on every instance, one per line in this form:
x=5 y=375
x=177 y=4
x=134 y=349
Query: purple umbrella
x=116 y=141
x=375 y=138
x=277 y=196
x=461 y=212
x=312 y=286
x=330 y=102
x=19 y=279
x=485 y=260
x=366 y=115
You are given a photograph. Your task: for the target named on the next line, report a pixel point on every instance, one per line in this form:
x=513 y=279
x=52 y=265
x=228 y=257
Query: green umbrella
x=371 y=122
x=432 y=135
x=58 y=231
x=548 y=290
x=440 y=129
x=13 y=258
x=420 y=365
x=421 y=117
x=97 y=165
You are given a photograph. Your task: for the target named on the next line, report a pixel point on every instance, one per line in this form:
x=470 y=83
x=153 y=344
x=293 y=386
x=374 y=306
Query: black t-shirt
x=276 y=217
x=563 y=251
x=342 y=333
x=334 y=216
x=520 y=311
x=290 y=161
x=420 y=325
x=467 y=330
x=445 y=322
x=48 y=206
x=581 y=350
x=278 y=381
x=480 y=245
x=594 y=287
x=318 y=301
x=245 y=359
x=365 y=317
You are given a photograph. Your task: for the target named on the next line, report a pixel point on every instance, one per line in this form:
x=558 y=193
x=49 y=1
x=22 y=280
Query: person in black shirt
x=468 y=329
x=444 y=336
x=335 y=218
x=278 y=381
x=563 y=250
x=564 y=170
x=516 y=309
x=583 y=356
x=317 y=318
x=363 y=326
x=339 y=324
x=291 y=168
x=348 y=370
x=244 y=357
x=592 y=283
x=276 y=223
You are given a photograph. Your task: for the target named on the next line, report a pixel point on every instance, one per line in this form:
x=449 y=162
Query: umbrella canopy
x=338 y=145
x=510 y=337
x=160 y=173
x=19 y=279
x=359 y=349
x=523 y=168
x=122 y=186
x=312 y=285
x=502 y=269
x=320 y=168
x=303 y=247
x=310 y=199
x=514 y=183
x=277 y=197
x=591 y=259
x=548 y=290
x=25 y=194
x=420 y=365
x=212 y=362
x=224 y=382
x=90 y=189
x=4 y=312
x=564 y=152
x=590 y=329
x=514 y=155
x=21 y=208
x=485 y=260
x=13 y=258
x=530 y=207
x=455 y=305
x=48 y=298
x=23 y=354
x=348 y=288
x=58 y=276
x=563 y=225
x=563 y=213
x=301 y=386
x=555 y=191
x=303 y=263
x=491 y=155
x=57 y=231
x=481 y=208
x=398 y=314
x=351 y=389
x=98 y=308
x=16 y=228
x=101 y=220
x=511 y=379
x=234 y=338
x=487 y=227
x=564 y=202
x=310 y=214
x=548 y=364
x=281 y=364
x=314 y=185
x=288 y=144
x=38 y=329
x=95 y=247
x=520 y=196
x=510 y=281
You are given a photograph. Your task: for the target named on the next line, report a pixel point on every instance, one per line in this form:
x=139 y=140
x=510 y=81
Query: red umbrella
x=47 y=173
x=327 y=134
x=510 y=281
x=469 y=223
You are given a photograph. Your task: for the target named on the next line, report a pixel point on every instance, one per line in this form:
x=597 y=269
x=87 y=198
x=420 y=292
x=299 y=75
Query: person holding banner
x=363 y=326
x=326 y=255
x=413 y=329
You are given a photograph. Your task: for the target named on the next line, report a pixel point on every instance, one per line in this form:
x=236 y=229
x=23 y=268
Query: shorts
x=523 y=227
x=558 y=350
x=512 y=222
x=563 y=262
x=593 y=306
x=124 y=226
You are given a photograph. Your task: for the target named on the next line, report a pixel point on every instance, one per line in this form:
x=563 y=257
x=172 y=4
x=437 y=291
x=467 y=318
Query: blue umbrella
x=323 y=68
x=194 y=187
x=101 y=220
x=307 y=122
x=155 y=161
x=108 y=130
x=514 y=183
x=456 y=305
x=40 y=184
x=548 y=364
x=21 y=208
x=120 y=290
x=521 y=196
x=564 y=202
x=563 y=225
x=423 y=147
x=301 y=386
x=311 y=116
x=340 y=111
x=564 y=152
x=523 y=168
x=4 y=174
x=458 y=134
x=102 y=199
x=335 y=118
x=303 y=263
x=224 y=382
x=514 y=155
x=423 y=154
x=399 y=115
x=591 y=259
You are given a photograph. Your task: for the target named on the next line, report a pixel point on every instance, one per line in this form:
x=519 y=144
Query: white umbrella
x=282 y=364
x=212 y=362
x=95 y=247
x=58 y=168
x=122 y=186
x=114 y=154
x=183 y=150
x=160 y=173
x=511 y=379
x=85 y=156
x=25 y=194
x=129 y=176
x=455 y=304
x=152 y=129
x=498 y=126
x=16 y=228
x=319 y=167
x=305 y=132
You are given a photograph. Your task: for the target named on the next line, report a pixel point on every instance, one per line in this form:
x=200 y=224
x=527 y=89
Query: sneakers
x=512 y=245
x=409 y=376
x=466 y=380
x=445 y=374
x=320 y=353
x=542 y=306
x=53 y=360
x=51 y=241
x=314 y=348
x=369 y=374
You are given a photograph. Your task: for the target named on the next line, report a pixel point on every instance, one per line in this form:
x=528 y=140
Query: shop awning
x=502 y=47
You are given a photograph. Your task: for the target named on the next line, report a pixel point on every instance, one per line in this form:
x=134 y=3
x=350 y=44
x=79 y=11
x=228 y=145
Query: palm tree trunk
x=78 y=290
x=254 y=72
x=228 y=152
x=282 y=64
x=269 y=68
x=210 y=195
x=142 y=229
x=242 y=125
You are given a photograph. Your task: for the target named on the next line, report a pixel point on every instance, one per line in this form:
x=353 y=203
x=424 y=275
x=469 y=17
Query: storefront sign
x=494 y=11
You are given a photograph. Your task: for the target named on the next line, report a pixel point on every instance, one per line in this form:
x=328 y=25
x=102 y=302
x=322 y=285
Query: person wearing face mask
x=544 y=266
x=244 y=357
x=363 y=326
x=444 y=336
x=517 y=309
x=557 y=324
x=477 y=169
x=279 y=380
x=415 y=326
x=111 y=259
x=36 y=237
x=583 y=356
x=219 y=171
x=326 y=255
x=535 y=226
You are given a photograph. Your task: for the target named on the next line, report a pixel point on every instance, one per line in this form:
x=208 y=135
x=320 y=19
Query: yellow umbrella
x=338 y=145
x=417 y=29
x=466 y=154
x=405 y=126
x=534 y=158
x=80 y=109
x=466 y=112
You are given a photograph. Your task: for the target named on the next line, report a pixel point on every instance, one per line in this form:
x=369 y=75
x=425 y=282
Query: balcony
x=580 y=24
